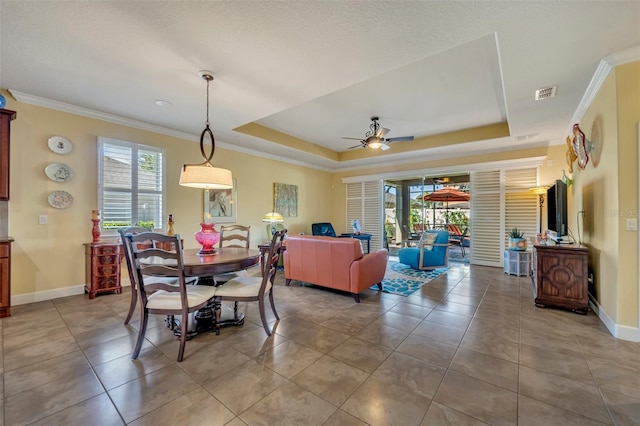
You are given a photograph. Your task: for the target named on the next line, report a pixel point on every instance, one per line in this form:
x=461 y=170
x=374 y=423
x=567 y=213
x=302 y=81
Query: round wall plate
x=60 y=145
x=58 y=172
x=60 y=199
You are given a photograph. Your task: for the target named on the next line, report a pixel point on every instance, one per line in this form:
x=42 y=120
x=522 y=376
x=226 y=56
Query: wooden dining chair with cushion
x=253 y=289
x=233 y=236
x=157 y=296
x=131 y=268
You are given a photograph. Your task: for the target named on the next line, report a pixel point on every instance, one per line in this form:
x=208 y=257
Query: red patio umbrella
x=445 y=195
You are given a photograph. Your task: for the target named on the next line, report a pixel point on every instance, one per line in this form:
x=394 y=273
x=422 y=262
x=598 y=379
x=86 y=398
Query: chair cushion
x=428 y=238
x=196 y=295
x=242 y=287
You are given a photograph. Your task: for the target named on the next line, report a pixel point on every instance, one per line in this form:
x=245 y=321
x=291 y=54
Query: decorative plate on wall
x=60 y=199
x=60 y=145
x=58 y=172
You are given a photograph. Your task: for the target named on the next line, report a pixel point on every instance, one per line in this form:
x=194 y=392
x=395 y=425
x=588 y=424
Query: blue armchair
x=427 y=256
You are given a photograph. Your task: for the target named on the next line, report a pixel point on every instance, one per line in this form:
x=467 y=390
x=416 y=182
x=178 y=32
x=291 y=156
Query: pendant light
x=206 y=175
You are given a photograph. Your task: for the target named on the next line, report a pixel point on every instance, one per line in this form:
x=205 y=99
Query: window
x=130 y=184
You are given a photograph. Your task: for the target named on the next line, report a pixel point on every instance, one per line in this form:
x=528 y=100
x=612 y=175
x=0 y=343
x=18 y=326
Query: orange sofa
x=336 y=263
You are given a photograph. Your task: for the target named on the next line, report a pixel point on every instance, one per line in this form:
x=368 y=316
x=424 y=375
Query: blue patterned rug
x=401 y=279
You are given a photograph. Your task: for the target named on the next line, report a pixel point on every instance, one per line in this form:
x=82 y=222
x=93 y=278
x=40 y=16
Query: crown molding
x=136 y=124
x=605 y=66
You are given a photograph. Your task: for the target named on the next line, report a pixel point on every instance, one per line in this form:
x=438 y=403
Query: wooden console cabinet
x=560 y=277
x=5 y=277
x=102 y=266
x=5 y=137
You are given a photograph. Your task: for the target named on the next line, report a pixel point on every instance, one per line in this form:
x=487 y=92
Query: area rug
x=456 y=256
x=401 y=279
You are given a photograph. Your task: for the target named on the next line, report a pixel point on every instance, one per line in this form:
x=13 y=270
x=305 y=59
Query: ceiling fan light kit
x=375 y=137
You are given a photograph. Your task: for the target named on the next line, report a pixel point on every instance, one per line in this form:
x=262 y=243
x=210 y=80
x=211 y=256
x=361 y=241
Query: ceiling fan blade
x=400 y=139
x=355 y=139
x=384 y=146
x=358 y=146
x=383 y=131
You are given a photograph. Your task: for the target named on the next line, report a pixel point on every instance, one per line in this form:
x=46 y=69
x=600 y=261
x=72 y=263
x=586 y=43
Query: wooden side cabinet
x=5 y=137
x=5 y=278
x=560 y=277
x=102 y=266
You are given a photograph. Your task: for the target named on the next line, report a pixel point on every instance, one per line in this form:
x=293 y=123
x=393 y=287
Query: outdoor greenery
x=147 y=224
x=414 y=218
x=454 y=217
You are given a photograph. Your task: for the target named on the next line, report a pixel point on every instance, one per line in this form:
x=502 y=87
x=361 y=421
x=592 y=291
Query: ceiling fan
x=375 y=137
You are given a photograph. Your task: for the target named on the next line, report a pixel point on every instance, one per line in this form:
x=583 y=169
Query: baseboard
x=623 y=332
x=40 y=296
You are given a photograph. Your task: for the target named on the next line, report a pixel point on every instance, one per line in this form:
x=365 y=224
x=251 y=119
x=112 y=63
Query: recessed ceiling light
x=545 y=93
x=162 y=103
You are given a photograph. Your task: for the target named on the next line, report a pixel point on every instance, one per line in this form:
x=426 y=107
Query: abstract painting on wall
x=285 y=199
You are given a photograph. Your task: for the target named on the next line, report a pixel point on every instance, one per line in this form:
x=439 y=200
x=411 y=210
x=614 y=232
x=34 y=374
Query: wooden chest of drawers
x=102 y=266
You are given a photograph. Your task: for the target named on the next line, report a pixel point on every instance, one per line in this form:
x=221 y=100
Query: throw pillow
x=428 y=239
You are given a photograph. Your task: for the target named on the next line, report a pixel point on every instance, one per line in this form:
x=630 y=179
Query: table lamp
x=273 y=218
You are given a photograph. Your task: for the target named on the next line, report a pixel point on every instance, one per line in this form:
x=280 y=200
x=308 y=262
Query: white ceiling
x=318 y=70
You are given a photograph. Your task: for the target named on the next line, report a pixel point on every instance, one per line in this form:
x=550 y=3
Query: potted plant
x=517 y=240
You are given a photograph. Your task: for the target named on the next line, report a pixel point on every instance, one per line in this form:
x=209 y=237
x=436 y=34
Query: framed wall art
x=285 y=199
x=220 y=205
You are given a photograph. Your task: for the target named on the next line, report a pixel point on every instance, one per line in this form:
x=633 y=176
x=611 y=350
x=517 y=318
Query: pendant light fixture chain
x=208 y=77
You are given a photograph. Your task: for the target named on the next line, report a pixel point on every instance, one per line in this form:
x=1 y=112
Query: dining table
x=225 y=259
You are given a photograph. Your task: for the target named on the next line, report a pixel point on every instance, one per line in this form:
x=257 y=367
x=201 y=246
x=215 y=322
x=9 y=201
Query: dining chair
x=233 y=236
x=131 y=268
x=152 y=266
x=253 y=289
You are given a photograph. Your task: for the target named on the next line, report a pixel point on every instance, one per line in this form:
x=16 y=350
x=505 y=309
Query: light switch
x=43 y=219
x=632 y=224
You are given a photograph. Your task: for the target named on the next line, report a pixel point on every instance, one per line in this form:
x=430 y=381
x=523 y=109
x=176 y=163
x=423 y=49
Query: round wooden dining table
x=226 y=259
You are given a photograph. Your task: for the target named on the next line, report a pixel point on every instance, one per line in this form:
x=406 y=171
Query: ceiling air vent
x=546 y=93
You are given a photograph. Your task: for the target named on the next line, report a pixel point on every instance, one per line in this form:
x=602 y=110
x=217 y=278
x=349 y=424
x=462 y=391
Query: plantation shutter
x=487 y=222
x=365 y=202
x=131 y=185
x=521 y=205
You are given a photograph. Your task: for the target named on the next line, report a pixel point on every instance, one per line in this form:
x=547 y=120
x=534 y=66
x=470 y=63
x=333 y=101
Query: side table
x=102 y=268
x=517 y=262
x=361 y=237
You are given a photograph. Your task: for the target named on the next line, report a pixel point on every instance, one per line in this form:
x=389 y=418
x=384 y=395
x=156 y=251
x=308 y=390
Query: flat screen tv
x=557 y=210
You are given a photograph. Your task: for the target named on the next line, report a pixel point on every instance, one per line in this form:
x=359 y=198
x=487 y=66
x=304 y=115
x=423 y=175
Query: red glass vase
x=207 y=237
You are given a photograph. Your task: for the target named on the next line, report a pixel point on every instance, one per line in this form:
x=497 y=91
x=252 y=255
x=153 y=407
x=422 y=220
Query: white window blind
x=130 y=184
x=521 y=205
x=365 y=203
x=486 y=218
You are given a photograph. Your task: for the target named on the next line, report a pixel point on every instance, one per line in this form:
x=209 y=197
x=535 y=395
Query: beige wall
x=51 y=257
x=608 y=194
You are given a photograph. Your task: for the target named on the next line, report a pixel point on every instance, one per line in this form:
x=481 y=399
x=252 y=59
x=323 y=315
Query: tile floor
x=469 y=348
